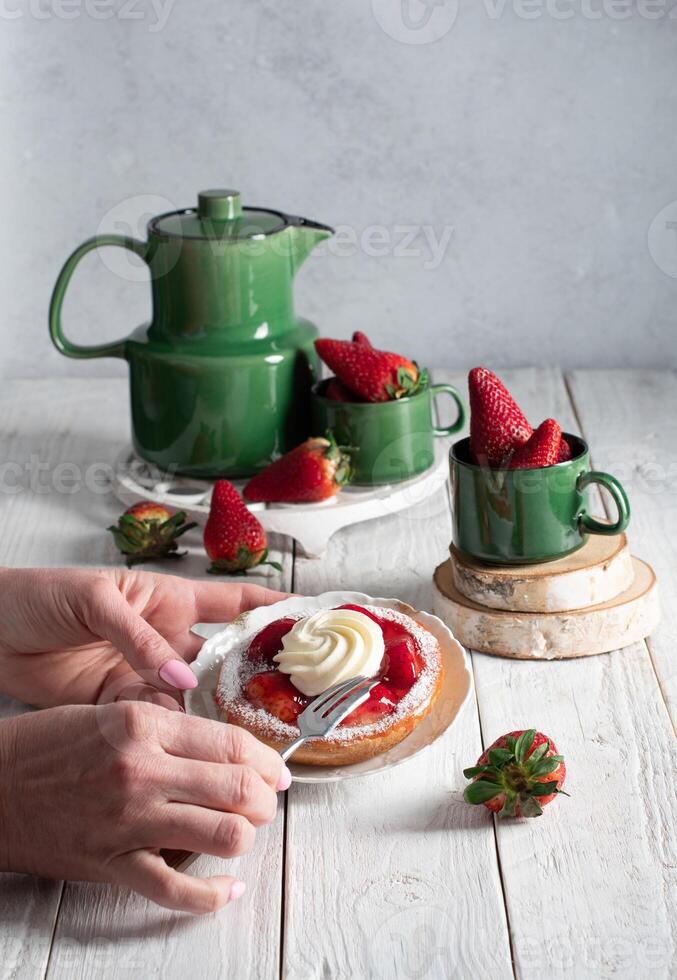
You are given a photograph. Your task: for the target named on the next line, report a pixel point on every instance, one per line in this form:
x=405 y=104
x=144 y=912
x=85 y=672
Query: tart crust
x=347 y=744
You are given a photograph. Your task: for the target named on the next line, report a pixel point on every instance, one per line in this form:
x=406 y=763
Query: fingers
x=184 y=827
x=235 y=789
x=147 y=874
x=212 y=741
x=150 y=695
x=217 y=602
x=109 y=615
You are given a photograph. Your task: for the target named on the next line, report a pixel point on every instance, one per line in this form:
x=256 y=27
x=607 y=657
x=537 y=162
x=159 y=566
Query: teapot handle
x=117 y=348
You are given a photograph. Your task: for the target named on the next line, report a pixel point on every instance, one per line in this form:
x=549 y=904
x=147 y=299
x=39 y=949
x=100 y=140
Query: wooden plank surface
x=57 y=436
x=588 y=886
x=630 y=419
x=394 y=875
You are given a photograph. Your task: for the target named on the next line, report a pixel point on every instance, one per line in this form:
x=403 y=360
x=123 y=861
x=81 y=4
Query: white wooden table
x=394 y=876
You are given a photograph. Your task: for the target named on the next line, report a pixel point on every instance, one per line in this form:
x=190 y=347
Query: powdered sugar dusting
x=237 y=669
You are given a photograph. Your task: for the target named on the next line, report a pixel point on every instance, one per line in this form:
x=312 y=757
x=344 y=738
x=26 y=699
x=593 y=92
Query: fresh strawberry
x=149 y=532
x=541 y=449
x=233 y=538
x=149 y=512
x=372 y=375
x=497 y=423
x=274 y=692
x=517 y=776
x=337 y=391
x=314 y=471
x=361 y=338
x=564 y=451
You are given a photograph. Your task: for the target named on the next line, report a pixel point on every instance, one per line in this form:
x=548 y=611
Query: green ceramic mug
x=518 y=517
x=392 y=441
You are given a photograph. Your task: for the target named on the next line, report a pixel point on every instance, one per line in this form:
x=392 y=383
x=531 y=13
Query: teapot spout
x=304 y=236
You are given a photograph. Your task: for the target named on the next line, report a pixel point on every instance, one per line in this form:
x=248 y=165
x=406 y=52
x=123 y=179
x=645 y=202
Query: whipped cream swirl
x=330 y=646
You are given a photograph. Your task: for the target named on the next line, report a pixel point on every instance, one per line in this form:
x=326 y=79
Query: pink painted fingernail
x=284 y=782
x=178 y=674
x=237 y=890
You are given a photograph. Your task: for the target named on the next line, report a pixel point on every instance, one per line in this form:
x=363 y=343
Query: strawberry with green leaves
x=314 y=471
x=149 y=532
x=371 y=375
x=233 y=537
x=517 y=776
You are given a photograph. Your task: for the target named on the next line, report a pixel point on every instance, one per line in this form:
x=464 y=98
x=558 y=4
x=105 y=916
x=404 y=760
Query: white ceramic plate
x=454 y=694
x=312 y=525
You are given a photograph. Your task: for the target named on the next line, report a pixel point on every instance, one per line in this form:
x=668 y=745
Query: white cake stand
x=312 y=525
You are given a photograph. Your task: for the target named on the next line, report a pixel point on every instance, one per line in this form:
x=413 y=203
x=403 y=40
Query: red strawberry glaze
x=268 y=641
x=401 y=667
x=273 y=691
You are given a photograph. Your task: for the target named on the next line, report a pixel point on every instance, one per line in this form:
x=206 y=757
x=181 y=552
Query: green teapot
x=221 y=376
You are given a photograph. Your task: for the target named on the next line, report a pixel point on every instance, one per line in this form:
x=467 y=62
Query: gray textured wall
x=532 y=142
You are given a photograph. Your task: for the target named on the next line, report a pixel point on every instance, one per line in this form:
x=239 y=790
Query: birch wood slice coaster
x=597 y=572
x=607 y=626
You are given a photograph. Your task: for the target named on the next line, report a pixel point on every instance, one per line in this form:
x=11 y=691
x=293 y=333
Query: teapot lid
x=219 y=214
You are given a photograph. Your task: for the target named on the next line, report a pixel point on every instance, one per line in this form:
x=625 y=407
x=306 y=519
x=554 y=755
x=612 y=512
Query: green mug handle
x=610 y=483
x=117 y=348
x=449 y=430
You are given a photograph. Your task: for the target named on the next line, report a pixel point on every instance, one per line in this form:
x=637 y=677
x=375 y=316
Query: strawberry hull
x=517 y=776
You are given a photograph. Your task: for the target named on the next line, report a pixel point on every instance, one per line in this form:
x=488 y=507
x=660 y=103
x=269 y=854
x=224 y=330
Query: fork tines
x=333 y=697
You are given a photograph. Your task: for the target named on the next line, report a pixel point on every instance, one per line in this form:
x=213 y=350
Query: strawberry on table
x=517 y=775
x=497 y=423
x=314 y=471
x=149 y=532
x=373 y=375
x=541 y=449
x=233 y=538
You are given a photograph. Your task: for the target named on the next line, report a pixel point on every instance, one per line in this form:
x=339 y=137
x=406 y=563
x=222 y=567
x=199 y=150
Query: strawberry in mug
x=519 y=494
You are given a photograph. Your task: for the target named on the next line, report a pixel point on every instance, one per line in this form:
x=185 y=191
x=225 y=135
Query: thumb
x=109 y=616
x=148 y=875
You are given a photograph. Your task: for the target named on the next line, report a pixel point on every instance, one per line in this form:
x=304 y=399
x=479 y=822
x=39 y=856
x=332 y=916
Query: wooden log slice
x=628 y=618
x=597 y=572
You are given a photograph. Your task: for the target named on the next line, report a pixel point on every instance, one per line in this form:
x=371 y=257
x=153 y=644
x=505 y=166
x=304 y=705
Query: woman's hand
x=92 y=793
x=75 y=636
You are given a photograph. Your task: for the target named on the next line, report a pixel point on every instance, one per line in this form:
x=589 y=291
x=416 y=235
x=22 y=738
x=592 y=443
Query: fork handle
x=285 y=753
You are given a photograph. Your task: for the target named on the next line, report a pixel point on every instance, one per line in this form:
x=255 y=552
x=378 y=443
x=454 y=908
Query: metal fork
x=320 y=718
x=329 y=709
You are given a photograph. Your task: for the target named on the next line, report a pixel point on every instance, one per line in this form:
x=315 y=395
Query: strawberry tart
x=268 y=679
